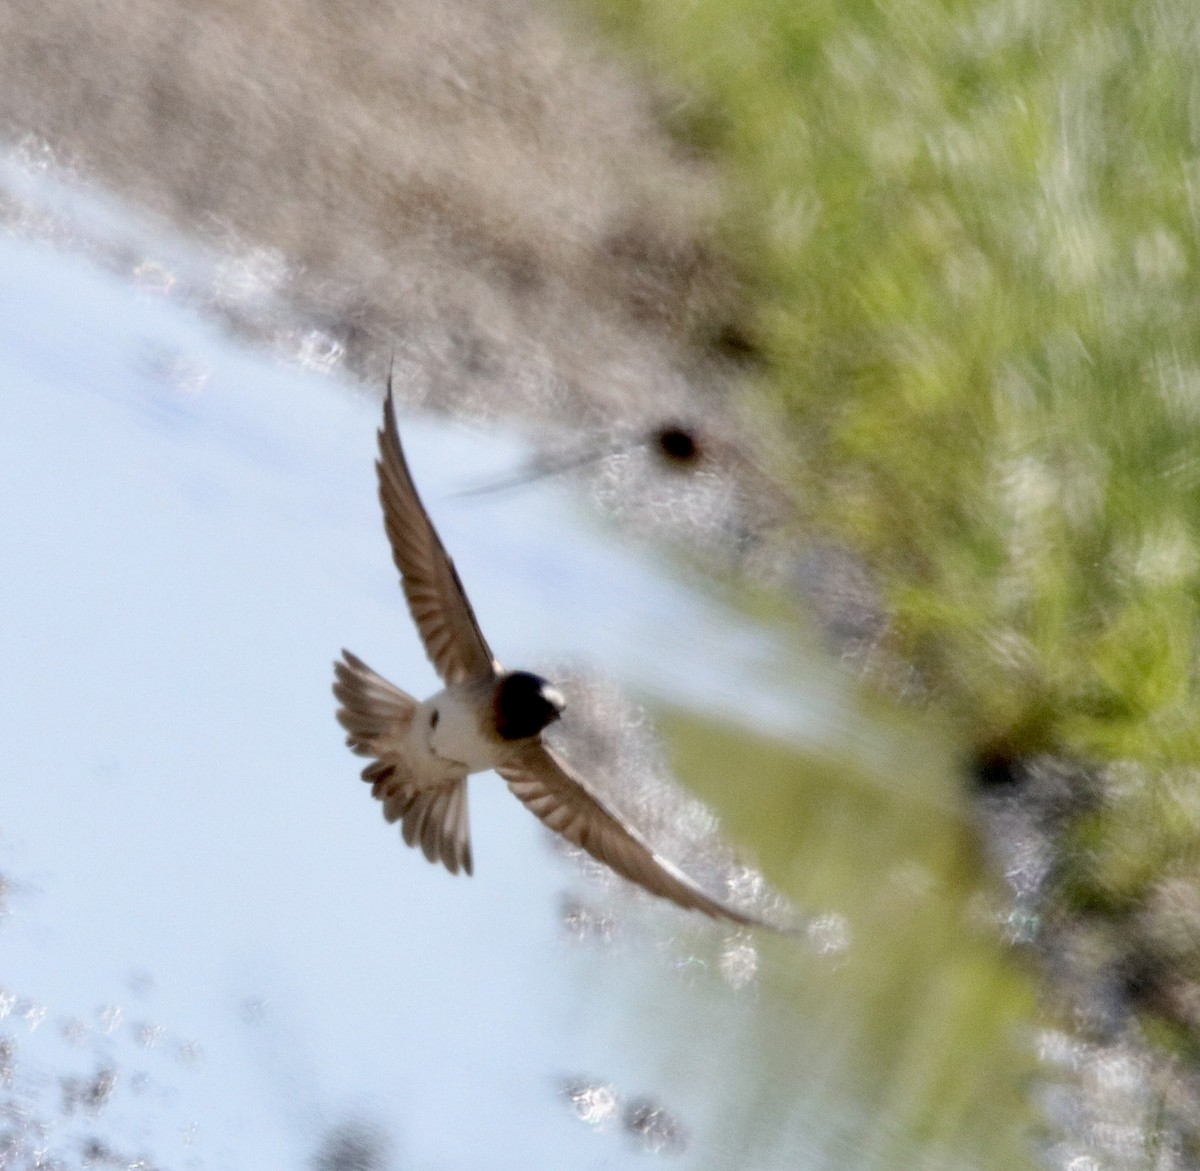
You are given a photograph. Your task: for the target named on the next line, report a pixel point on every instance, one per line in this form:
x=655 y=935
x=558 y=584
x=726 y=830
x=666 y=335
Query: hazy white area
x=202 y=901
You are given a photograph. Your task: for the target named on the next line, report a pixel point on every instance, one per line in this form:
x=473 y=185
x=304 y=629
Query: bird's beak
x=554 y=697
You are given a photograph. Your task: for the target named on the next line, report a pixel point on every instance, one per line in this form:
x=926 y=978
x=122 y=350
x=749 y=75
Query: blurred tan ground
x=470 y=181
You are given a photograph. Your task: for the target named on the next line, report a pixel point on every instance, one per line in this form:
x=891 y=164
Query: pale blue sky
x=184 y=827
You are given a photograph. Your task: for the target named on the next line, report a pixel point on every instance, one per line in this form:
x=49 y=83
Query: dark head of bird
x=525 y=704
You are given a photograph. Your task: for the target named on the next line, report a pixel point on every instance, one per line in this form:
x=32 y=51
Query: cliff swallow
x=483 y=718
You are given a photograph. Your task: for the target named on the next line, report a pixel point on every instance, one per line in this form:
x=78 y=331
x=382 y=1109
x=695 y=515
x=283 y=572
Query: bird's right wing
x=567 y=804
x=436 y=598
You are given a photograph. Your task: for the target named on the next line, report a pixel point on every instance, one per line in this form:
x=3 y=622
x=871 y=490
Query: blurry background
x=916 y=620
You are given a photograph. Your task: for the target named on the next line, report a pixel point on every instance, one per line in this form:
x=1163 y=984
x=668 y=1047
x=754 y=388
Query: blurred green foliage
x=902 y=1034
x=966 y=240
x=966 y=233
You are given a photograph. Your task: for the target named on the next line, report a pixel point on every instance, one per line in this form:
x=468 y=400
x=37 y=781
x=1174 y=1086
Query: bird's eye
x=433 y=718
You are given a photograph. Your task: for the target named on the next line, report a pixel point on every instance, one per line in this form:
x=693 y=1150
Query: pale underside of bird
x=483 y=718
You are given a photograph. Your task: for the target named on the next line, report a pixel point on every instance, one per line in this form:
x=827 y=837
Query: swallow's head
x=525 y=704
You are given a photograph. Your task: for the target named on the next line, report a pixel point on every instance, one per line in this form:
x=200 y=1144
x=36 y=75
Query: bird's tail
x=432 y=810
x=374 y=712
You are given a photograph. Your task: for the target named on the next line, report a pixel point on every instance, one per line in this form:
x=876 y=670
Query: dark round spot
x=736 y=344
x=1144 y=981
x=677 y=443
x=996 y=770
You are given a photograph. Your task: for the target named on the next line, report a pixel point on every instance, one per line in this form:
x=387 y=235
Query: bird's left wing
x=436 y=598
x=567 y=804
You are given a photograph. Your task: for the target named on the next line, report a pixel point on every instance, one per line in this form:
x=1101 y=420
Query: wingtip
x=389 y=405
x=388 y=439
x=787 y=928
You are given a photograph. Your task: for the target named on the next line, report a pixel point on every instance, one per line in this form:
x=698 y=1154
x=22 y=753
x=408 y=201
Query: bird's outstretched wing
x=438 y=603
x=567 y=804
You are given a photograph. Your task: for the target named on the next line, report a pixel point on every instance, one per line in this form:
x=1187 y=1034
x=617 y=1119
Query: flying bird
x=483 y=718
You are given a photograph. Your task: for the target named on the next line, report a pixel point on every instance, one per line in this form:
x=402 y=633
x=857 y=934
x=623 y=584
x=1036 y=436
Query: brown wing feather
x=565 y=803
x=439 y=606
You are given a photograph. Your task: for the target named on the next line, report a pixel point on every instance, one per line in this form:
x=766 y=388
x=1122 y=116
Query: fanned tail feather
x=377 y=716
x=373 y=712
